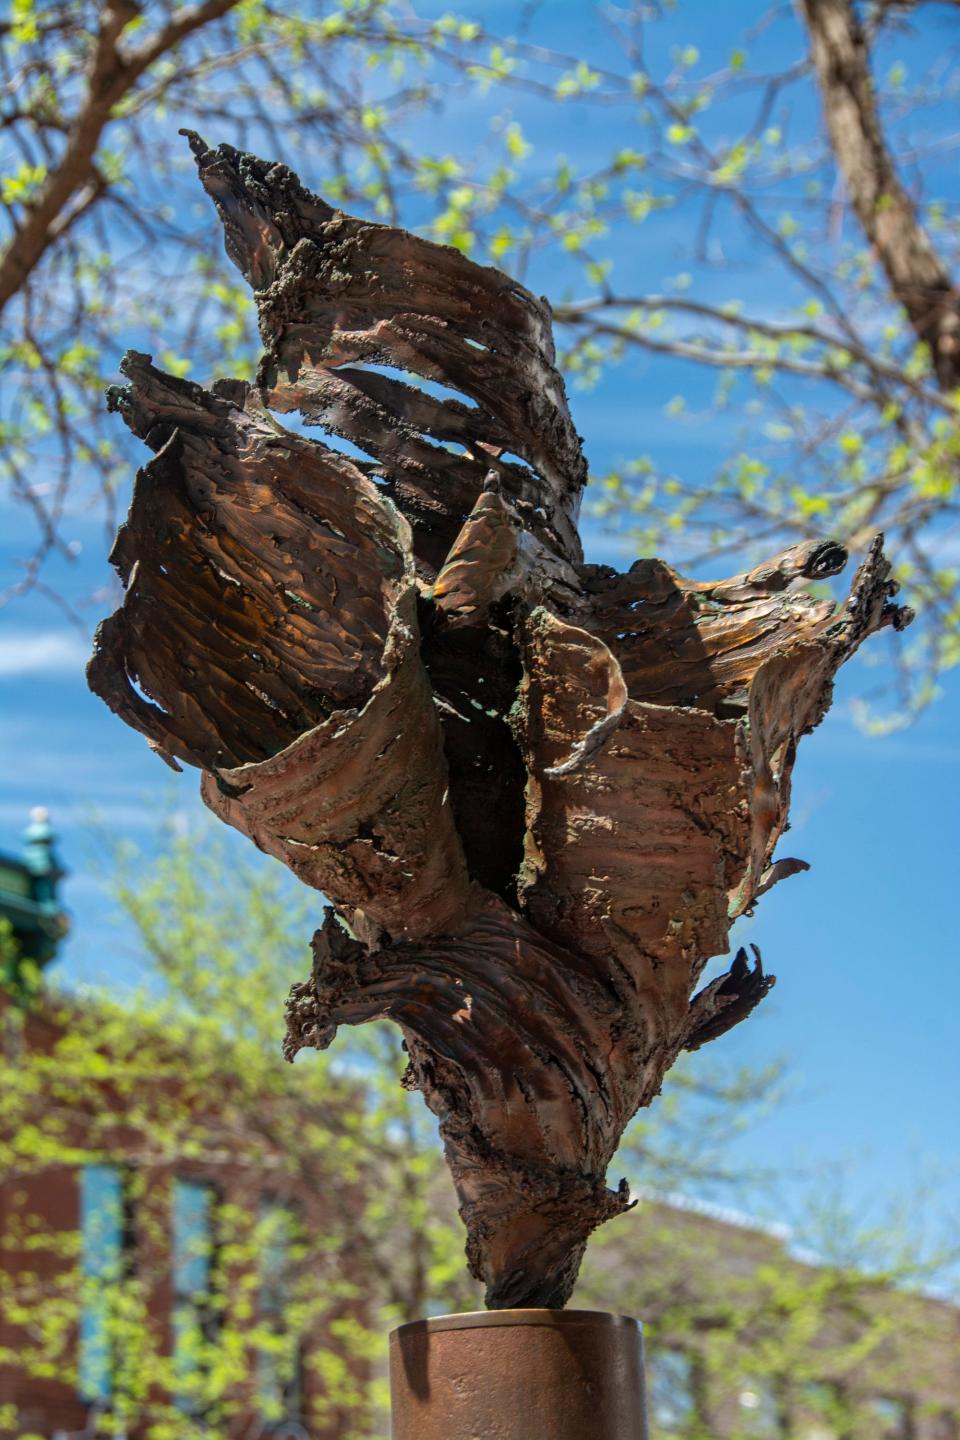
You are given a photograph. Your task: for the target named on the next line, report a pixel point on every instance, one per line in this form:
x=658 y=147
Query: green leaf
x=518 y=147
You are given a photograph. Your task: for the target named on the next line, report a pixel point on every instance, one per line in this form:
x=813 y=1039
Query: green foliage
x=829 y=407
x=324 y=1172
x=20 y=976
x=331 y=1216
x=791 y=1331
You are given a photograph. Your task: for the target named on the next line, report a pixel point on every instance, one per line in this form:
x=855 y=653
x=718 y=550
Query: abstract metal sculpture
x=537 y=792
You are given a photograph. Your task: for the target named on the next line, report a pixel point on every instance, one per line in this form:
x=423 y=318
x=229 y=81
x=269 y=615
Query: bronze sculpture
x=536 y=791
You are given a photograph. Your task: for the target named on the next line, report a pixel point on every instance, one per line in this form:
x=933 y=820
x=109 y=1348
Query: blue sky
x=864 y=946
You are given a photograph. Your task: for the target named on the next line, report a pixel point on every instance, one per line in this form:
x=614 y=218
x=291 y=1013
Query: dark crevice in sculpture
x=475 y=673
x=536 y=792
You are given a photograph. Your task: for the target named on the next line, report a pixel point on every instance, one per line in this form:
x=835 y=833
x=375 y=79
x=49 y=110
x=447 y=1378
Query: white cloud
x=86 y=815
x=41 y=652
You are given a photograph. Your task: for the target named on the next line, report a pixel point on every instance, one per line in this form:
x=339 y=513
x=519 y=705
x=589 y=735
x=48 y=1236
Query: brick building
x=749 y=1338
x=150 y=1226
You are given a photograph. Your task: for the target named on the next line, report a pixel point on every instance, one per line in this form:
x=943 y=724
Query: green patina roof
x=28 y=893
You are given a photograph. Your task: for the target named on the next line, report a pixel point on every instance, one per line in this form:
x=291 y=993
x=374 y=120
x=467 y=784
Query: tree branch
x=582 y=313
x=113 y=73
x=918 y=278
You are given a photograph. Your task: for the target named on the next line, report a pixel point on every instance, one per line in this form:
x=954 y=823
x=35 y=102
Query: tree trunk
x=536 y=791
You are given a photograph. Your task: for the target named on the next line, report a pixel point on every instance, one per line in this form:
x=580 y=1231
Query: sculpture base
x=518 y=1375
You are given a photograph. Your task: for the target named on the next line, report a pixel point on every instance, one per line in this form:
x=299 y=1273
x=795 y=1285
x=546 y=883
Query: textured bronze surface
x=535 y=791
x=518 y=1375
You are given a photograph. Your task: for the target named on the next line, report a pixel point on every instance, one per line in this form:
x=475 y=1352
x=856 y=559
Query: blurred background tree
x=360 y=1232
x=815 y=307
x=753 y=1335
x=191 y=1074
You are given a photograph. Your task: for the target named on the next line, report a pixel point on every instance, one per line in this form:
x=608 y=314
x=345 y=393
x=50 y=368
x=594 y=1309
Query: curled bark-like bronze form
x=536 y=792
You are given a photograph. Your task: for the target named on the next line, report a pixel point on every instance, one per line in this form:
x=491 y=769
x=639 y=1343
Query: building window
x=890 y=1418
x=822 y=1412
x=105 y=1236
x=194 y=1205
x=279 y=1358
x=673 y=1403
x=760 y=1409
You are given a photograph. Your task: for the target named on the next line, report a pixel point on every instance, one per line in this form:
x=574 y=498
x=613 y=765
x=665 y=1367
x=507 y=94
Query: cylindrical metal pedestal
x=518 y=1375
